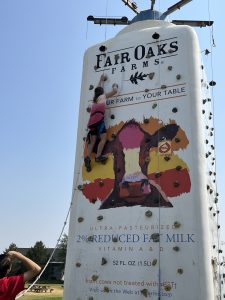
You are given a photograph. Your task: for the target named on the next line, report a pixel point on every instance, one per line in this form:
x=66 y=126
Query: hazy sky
x=41 y=51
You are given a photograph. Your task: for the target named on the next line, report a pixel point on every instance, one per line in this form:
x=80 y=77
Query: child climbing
x=96 y=122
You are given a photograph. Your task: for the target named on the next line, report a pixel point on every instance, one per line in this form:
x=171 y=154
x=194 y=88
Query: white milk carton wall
x=139 y=224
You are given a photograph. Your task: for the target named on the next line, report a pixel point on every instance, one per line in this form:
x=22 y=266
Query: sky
x=42 y=43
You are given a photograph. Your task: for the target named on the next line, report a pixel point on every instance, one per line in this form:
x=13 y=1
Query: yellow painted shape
x=158 y=164
x=131 y=161
x=99 y=170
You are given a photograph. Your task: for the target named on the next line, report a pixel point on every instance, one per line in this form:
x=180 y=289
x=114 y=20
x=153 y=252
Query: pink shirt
x=97 y=111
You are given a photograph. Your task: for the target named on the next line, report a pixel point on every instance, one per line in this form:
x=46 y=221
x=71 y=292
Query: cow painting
x=131 y=158
x=140 y=170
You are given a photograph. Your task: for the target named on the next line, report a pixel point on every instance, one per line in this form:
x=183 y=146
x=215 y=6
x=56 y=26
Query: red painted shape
x=99 y=189
x=131 y=136
x=169 y=180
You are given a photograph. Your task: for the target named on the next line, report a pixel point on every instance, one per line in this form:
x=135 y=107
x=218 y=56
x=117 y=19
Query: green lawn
x=56 y=294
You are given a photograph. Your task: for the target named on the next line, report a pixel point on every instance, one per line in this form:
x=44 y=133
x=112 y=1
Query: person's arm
x=102 y=79
x=113 y=91
x=33 y=269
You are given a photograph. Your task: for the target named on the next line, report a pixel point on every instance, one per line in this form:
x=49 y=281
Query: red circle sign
x=164 y=148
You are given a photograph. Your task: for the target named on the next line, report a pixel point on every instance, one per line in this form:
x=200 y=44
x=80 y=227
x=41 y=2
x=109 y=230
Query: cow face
x=131 y=158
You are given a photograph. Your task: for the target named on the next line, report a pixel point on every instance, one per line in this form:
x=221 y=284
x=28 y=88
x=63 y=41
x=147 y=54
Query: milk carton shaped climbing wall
x=139 y=221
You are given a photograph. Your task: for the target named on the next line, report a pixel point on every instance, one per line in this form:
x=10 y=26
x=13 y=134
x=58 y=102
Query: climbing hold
x=204 y=101
x=94 y=277
x=163 y=86
x=147 y=159
x=166 y=158
x=101 y=183
x=211 y=134
x=146 y=121
x=95 y=67
x=214 y=246
x=220 y=251
x=210 y=173
x=112 y=116
x=206 y=141
x=115 y=239
x=90 y=238
x=113 y=135
x=203 y=111
x=155 y=237
x=104 y=261
x=155 y=36
x=80 y=187
x=80 y=219
x=178 y=76
x=90 y=298
x=88 y=109
x=154 y=105
x=180 y=271
x=210 y=191
x=176 y=248
x=212 y=83
x=144 y=292
x=178 y=168
x=146 y=90
x=78 y=265
x=214 y=214
x=216 y=200
x=176 y=184
x=174 y=110
x=176 y=224
x=106 y=289
x=210 y=208
x=170 y=68
x=91 y=87
x=148 y=213
x=117 y=56
x=157 y=175
x=202 y=67
x=207 y=52
x=167 y=287
x=102 y=48
x=99 y=218
x=218 y=226
x=154 y=262
x=151 y=75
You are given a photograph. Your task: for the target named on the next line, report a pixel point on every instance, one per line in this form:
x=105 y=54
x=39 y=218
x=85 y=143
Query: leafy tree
x=62 y=247
x=39 y=253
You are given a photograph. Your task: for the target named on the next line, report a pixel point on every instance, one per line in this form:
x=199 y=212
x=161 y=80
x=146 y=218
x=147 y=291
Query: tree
x=39 y=253
x=62 y=247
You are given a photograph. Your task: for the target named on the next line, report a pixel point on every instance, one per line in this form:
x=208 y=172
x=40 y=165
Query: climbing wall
x=140 y=224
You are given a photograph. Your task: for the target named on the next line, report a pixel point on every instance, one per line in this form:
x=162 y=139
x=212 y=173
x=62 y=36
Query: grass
x=56 y=294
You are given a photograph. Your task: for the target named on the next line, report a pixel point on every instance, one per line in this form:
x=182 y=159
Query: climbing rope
x=60 y=235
